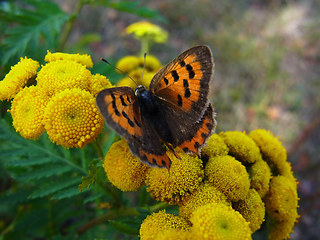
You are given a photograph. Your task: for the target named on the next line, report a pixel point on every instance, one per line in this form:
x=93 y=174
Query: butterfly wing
x=182 y=88
x=120 y=109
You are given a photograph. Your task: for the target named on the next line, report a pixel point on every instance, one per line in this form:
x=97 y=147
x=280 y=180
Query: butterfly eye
x=139 y=89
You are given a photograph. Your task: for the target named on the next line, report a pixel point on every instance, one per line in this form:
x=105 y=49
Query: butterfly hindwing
x=184 y=82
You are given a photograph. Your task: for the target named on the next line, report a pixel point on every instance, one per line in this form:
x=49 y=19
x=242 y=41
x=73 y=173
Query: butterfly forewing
x=120 y=109
x=184 y=82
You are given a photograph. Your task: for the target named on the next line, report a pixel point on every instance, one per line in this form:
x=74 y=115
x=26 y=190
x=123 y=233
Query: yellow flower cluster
x=61 y=101
x=147 y=30
x=133 y=66
x=239 y=181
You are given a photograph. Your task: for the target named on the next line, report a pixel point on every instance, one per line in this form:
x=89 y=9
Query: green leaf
x=44 y=172
x=67 y=193
x=90 y=180
x=35 y=20
x=15 y=198
x=27 y=162
x=54 y=187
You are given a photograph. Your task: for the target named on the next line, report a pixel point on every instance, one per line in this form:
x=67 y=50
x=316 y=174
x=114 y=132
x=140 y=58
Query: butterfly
x=174 y=112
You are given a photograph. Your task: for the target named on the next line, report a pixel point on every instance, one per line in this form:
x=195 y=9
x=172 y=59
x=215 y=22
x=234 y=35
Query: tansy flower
x=160 y=221
x=63 y=74
x=27 y=111
x=152 y=63
x=274 y=153
x=83 y=59
x=282 y=199
x=279 y=230
x=260 y=176
x=174 y=234
x=205 y=193
x=229 y=176
x=215 y=147
x=124 y=170
x=17 y=78
x=127 y=82
x=147 y=30
x=128 y=63
x=241 y=146
x=97 y=83
x=252 y=209
x=218 y=221
x=183 y=177
x=72 y=119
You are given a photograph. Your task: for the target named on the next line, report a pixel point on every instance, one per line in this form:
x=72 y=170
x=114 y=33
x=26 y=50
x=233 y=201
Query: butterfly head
x=139 y=90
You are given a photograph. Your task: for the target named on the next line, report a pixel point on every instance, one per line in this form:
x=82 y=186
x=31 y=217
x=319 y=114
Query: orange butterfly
x=174 y=112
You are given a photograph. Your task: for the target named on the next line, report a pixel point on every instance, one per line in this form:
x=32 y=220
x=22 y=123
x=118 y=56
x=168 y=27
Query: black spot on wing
x=187 y=92
x=114 y=106
x=122 y=101
x=125 y=115
x=190 y=71
x=182 y=63
x=175 y=75
x=166 y=81
x=137 y=123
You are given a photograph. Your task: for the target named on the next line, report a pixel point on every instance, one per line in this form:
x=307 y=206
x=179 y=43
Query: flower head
x=17 y=78
x=229 y=176
x=128 y=63
x=215 y=147
x=252 y=209
x=152 y=63
x=161 y=221
x=260 y=176
x=184 y=176
x=241 y=146
x=72 y=119
x=219 y=221
x=83 y=59
x=282 y=199
x=124 y=170
x=27 y=111
x=206 y=193
x=147 y=30
x=59 y=75
x=97 y=83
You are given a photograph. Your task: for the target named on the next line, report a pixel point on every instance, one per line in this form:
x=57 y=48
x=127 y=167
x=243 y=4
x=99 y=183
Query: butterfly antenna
x=144 y=65
x=106 y=61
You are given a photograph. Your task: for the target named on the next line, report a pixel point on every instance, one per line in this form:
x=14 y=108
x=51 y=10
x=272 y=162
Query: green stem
x=69 y=25
x=98 y=148
x=113 y=214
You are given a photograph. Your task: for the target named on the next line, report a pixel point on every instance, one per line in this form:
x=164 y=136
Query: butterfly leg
x=172 y=150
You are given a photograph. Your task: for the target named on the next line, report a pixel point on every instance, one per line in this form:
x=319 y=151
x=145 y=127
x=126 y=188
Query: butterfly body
x=175 y=112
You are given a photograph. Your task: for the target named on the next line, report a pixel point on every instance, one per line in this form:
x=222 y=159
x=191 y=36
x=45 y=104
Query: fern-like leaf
x=42 y=18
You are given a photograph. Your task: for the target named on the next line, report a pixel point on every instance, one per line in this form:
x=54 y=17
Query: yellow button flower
x=152 y=63
x=184 y=176
x=17 y=78
x=219 y=222
x=124 y=170
x=215 y=147
x=260 y=176
x=27 y=112
x=160 y=221
x=97 y=83
x=72 y=119
x=128 y=63
x=59 y=75
x=274 y=153
x=282 y=199
x=252 y=209
x=229 y=176
x=174 y=234
x=241 y=146
x=83 y=59
x=147 y=30
x=206 y=193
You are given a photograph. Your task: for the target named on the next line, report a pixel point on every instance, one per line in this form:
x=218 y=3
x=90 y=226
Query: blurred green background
x=267 y=66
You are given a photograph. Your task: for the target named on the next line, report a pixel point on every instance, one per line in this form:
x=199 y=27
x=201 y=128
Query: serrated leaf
x=54 y=187
x=39 y=19
x=67 y=193
x=93 y=197
x=15 y=198
x=90 y=180
x=28 y=162
x=44 y=172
